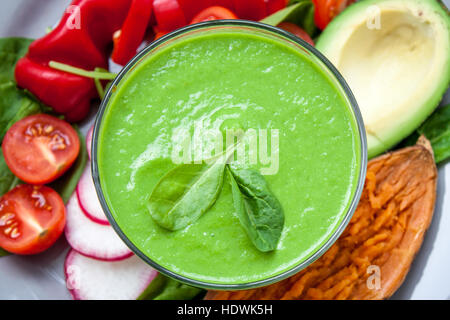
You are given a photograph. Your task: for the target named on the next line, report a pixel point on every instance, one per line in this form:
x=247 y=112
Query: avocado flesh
x=398 y=69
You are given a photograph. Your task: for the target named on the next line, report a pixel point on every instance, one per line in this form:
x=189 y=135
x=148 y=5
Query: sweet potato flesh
x=380 y=241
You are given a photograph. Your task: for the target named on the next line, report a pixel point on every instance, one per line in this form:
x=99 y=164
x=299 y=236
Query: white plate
x=42 y=276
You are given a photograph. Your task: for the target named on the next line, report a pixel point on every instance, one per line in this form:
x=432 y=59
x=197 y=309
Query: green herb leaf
x=11 y=50
x=3 y=253
x=15 y=104
x=258 y=210
x=185 y=193
x=68 y=182
x=164 y=288
x=437 y=130
x=7 y=179
x=300 y=12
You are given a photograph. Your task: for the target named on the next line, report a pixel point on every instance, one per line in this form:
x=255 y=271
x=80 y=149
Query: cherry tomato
x=31 y=219
x=214 y=13
x=326 y=10
x=128 y=39
x=273 y=6
x=192 y=7
x=169 y=15
x=250 y=9
x=297 y=31
x=40 y=148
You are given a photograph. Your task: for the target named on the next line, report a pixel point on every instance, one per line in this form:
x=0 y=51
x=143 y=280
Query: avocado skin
x=398 y=132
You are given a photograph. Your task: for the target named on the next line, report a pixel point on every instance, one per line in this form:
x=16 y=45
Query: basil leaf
x=437 y=130
x=66 y=184
x=300 y=12
x=164 y=288
x=185 y=193
x=258 y=210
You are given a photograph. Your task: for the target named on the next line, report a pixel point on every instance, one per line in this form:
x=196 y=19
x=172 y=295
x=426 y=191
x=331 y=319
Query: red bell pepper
x=128 y=39
x=273 y=6
x=250 y=9
x=84 y=44
x=169 y=15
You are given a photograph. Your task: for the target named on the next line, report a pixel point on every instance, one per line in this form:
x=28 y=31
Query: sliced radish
x=90 y=279
x=92 y=239
x=88 y=199
x=89 y=141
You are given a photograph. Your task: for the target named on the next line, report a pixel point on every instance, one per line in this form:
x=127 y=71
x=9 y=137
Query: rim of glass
x=356 y=113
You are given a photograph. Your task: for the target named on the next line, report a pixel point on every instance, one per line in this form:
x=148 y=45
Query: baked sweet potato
x=372 y=257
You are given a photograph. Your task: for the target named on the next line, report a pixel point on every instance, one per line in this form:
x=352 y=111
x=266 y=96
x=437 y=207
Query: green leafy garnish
x=66 y=184
x=3 y=253
x=11 y=50
x=258 y=210
x=185 y=193
x=300 y=12
x=437 y=130
x=164 y=288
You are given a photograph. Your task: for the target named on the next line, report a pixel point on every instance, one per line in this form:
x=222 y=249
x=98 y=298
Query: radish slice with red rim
x=91 y=279
x=88 y=199
x=92 y=239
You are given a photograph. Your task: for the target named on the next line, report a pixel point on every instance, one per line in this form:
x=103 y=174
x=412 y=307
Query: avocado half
x=395 y=56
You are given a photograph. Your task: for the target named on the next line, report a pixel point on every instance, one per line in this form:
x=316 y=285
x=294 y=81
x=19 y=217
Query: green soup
x=230 y=80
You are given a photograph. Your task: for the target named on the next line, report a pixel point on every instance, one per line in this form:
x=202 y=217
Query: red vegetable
x=40 y=148
x=275 y=5
x=193 y=7
x=214 y=13
x=31 y=219
x=250 y=9
x=326 y=10
x=81 y=39
x=296 y=30
x=129 y=38
x=169 y=14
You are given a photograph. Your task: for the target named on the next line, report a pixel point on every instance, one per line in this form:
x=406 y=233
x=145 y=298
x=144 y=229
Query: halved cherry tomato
x=169 y=14
x=326 y=10
x=128 y=39
x=214 y=13
x=40 y=148
x=273 y=6
x=193 y=7
x=31 y=219
x=297 y=31
x=250 y=9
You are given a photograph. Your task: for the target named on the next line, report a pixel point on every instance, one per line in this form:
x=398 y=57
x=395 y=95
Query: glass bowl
x=253 y=28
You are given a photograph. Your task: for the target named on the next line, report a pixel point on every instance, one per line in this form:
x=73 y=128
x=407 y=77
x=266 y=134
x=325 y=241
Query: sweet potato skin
x=384 y=234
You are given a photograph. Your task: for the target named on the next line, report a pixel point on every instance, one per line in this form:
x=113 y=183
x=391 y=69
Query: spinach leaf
x=15 y=104
x=68 y=182
x=258 y=210
x=437 y=130
x=164 y=288
x=7 y=179
x=11 y=50
x=300 y=12
x=3 y=253
x=185 y=193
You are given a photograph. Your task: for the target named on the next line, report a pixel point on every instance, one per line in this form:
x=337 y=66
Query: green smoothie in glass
x=166 y=109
